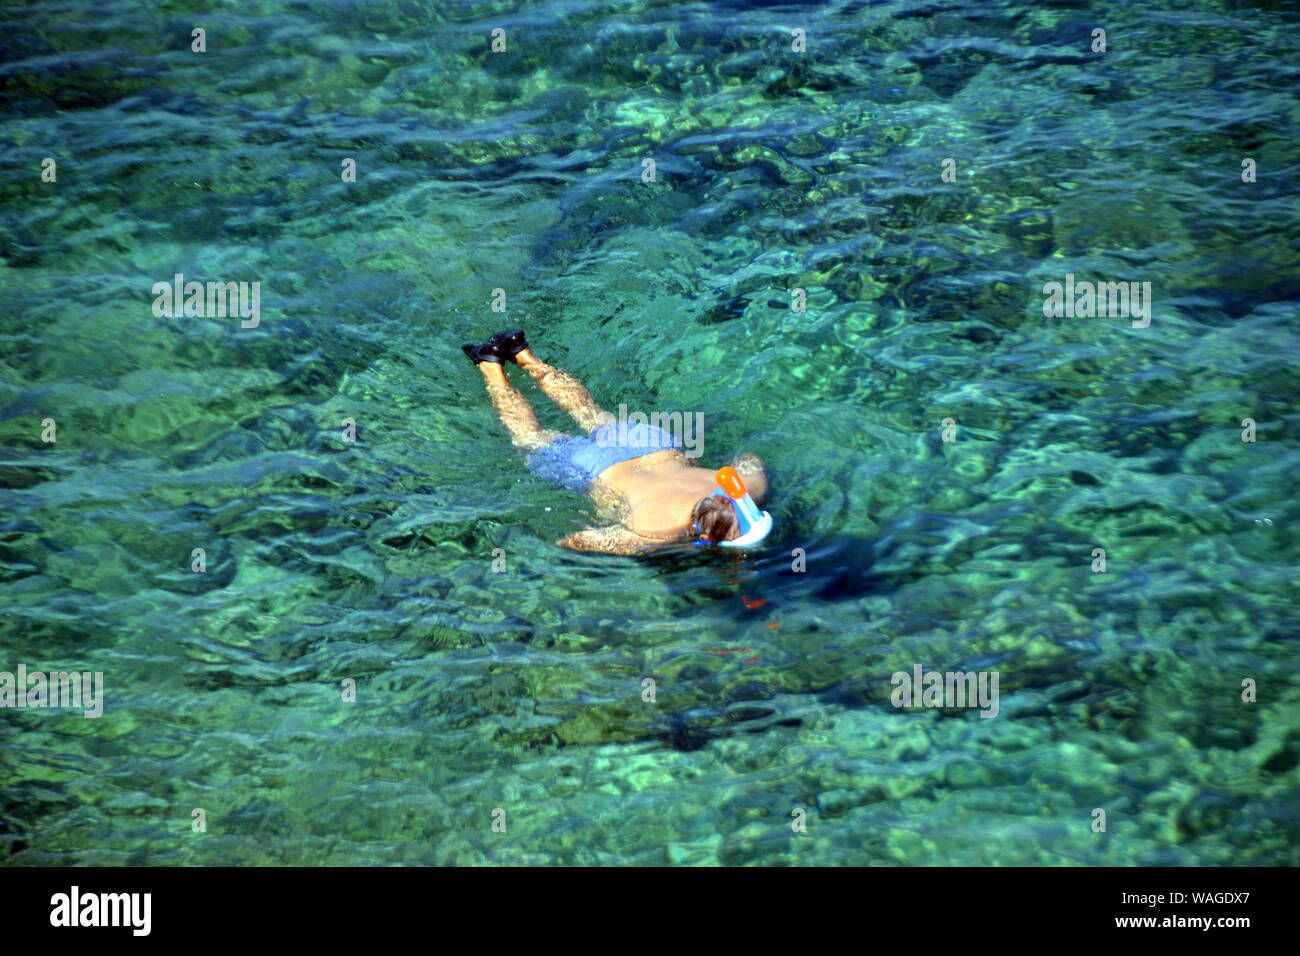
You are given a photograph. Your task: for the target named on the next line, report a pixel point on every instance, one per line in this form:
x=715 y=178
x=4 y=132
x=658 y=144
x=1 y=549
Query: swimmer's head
x=715 y=519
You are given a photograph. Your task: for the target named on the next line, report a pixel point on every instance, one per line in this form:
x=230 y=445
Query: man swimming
x=641 y=479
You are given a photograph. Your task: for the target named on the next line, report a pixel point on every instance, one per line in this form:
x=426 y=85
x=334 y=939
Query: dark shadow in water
x=694 y=729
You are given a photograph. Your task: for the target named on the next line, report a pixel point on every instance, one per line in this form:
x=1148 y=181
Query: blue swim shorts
x=574 y=463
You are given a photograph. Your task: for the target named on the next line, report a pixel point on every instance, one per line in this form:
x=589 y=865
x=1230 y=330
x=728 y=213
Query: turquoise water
x=520 y=689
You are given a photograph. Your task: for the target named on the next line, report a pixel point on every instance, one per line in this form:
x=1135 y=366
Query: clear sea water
x=520 y=689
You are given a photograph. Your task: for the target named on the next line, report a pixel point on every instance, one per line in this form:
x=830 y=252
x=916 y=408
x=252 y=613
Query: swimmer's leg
x=514 y=411
x=564 y=390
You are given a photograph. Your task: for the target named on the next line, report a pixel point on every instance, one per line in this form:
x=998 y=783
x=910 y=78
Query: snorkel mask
x=754 y=525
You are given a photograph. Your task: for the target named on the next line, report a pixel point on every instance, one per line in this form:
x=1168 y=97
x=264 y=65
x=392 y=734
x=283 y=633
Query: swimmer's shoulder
x=753 y=472
x=616 y=539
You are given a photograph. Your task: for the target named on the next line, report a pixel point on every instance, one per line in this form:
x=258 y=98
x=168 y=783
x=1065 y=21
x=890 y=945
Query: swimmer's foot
x=487 y=352
x=509 y=344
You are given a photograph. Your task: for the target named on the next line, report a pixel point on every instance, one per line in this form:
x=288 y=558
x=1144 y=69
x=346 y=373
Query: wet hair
x=715 y=518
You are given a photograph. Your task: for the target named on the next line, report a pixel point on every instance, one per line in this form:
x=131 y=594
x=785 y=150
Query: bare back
x=654 y=496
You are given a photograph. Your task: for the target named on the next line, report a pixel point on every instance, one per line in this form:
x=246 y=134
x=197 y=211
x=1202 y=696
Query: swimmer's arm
x=753 y=473
x=612 y=540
